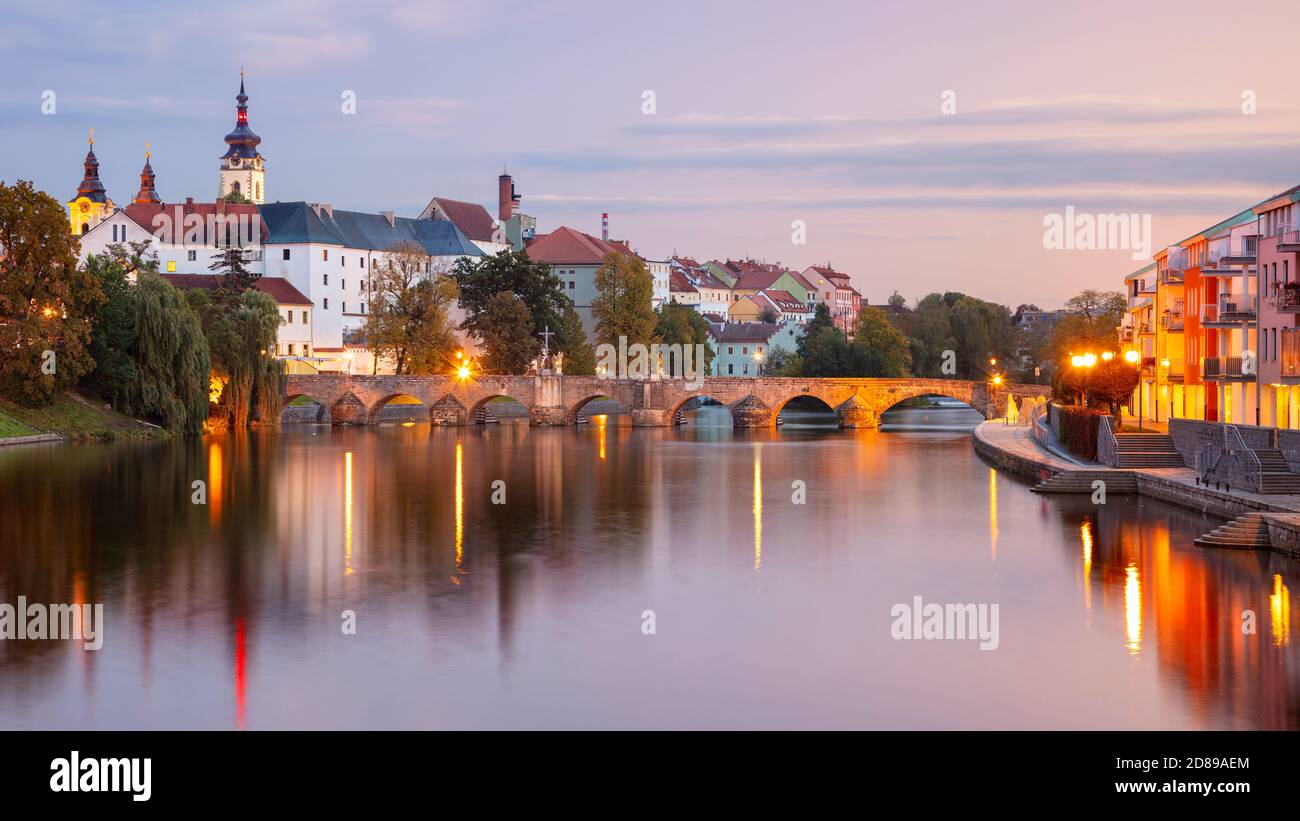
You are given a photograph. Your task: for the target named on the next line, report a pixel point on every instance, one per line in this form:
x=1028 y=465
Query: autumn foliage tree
x=410 y=313
x=44 y=298
x=1112 y=382
x=622 y=305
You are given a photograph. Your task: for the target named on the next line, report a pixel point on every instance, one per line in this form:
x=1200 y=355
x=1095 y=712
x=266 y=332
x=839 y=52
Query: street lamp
x=758 y=361
x=1088 y=360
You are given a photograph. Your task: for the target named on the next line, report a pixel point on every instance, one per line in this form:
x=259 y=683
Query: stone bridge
x=559 y=400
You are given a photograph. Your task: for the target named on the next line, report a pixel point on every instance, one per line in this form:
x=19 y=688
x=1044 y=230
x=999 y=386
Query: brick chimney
x=507 y=199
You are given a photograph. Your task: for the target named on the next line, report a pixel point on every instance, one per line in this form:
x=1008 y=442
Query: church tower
x=242 y=168
x=90 y=205
x=148 y=194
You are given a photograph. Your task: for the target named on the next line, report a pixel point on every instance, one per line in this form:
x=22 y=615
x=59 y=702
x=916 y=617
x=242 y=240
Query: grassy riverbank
x=74 y=417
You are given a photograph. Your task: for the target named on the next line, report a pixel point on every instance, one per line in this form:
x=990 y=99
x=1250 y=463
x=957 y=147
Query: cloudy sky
x=764 y=113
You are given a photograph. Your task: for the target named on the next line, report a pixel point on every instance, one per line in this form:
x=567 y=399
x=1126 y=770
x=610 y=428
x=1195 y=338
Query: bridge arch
x=293 y=409
x=481 y=412
x=419 y=410
x=780 y=406
x=576 y=410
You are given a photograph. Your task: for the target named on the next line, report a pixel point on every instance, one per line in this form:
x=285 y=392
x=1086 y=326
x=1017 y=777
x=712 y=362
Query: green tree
x=241 y=334
x=884 y=350
x=479 y=280
x=509 y=346
x=232 y=263
x=768 y=316
x=824 y=350
x=235 y=196
x=409 y=323
x=1113 y=383
x=1088 y=327
x=680 y=325
x=622 y=305
x=579 y=357
x=113 y=333
x=171 y=357
x=45 y=298
x=897 y=300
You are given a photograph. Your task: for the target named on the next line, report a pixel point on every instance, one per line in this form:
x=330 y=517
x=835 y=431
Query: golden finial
x=92 y=137
x=146 y=152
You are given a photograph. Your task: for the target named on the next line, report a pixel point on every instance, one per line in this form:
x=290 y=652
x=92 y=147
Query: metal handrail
x=1105 y=433
x=1232 y=441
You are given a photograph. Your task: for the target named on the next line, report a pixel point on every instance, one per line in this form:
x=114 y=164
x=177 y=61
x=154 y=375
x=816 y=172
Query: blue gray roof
x=296 y=222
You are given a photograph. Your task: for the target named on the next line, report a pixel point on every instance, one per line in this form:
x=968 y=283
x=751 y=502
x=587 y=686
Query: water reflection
x=526 y=614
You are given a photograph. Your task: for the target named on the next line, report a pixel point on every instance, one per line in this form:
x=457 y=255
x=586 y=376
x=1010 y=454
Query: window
x=730 y=350
x=325 y=255
x=192 y=256
x=745 y=350
x=286 y=253
x=327 y=279
x=571 y=285
x=746 y=369
x=306 y=349
x=343 y=284
x=343 y=262
x=304 y=317
x=363 y=307
x=171 y=266
x=290 y=315
x=327 y=303
x=291 y=349
x=345 y=307
x=730 y=369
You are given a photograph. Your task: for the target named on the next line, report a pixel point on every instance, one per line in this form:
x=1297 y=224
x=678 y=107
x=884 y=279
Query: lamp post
x=1085 y=361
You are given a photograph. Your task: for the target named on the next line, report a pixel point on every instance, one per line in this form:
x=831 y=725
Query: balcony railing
x=1172 y=320
x=1223 y=366
x=1288 y=239
x=1287 y=299
x=1234 y=308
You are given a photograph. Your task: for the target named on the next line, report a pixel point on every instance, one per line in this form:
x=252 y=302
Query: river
x=650 y=578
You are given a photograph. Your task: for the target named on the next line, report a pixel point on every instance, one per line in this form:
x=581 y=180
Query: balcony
x=1172 y=320
x=1145 y=329
x=1126 y=333
x=1286 y=298
x=1235 y=309
x=1224 y=265
x=1228 y=367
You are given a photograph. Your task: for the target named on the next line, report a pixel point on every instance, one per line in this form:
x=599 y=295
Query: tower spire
x=148 y=194
x=91 y=187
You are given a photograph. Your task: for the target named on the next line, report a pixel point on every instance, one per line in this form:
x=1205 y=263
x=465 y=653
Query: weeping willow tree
x=170 y=355
x=247 y=381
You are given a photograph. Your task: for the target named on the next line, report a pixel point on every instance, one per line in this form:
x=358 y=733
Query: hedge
x=1079 y=429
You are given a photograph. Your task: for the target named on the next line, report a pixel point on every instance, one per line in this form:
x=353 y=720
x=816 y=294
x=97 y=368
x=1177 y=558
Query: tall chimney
x=604 y=227
x=507 y=199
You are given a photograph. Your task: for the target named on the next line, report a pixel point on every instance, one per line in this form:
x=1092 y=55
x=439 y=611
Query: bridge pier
x=751 y=413
x=651 y=418
x=857 y=416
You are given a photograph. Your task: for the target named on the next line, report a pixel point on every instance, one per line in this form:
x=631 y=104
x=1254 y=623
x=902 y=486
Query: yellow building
x=91 y=204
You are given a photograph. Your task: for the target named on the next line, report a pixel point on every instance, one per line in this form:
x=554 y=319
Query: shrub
x=1079 y=428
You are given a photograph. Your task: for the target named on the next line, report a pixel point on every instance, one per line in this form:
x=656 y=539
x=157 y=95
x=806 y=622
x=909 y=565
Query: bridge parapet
x=559 y=400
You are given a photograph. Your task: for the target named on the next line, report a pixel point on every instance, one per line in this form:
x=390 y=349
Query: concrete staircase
x=1146 y=450
x=1118 y=482
x=1247 y=532
x=1275 y=474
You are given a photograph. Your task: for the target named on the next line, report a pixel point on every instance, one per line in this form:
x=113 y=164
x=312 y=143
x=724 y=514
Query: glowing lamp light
x=1090 y=359
x=1107 y=356
x=1076 y=361
x=463 y=372
x=1164 y=363
x=49 y=313
x=997 y=379
x=1132 y=357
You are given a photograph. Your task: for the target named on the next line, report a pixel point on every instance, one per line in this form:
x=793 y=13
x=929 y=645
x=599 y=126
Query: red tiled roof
x=757 y=280
x=144 y=213
x=743 y=331
x=472 y=219
x=714 y=317
x=277 y=288
x=678 y=283
x=784 y=300
x=566 y=246
x=687 y=262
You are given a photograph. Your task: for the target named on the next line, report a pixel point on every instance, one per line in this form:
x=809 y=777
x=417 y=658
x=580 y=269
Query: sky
x=917 y=146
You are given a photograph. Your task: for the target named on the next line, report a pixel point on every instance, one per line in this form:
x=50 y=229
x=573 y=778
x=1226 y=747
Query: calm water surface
x=529 y=614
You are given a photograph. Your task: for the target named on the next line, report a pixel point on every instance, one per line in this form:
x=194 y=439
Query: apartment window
x=343 y=262
x=746 y=369
x=1286 y=270
x=325 y=255
x=192 y=256
x=306 y=349
x=1275 y=344
x=363 y=307
x=327 y=303
x=572 y=285
x=304 y=317
x=730 y=369
x=1264 y=352
x=345 y=307
x=286 y=253
x=290 y=315
x=731 y=349
x=291 y=346
x=343 y=284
